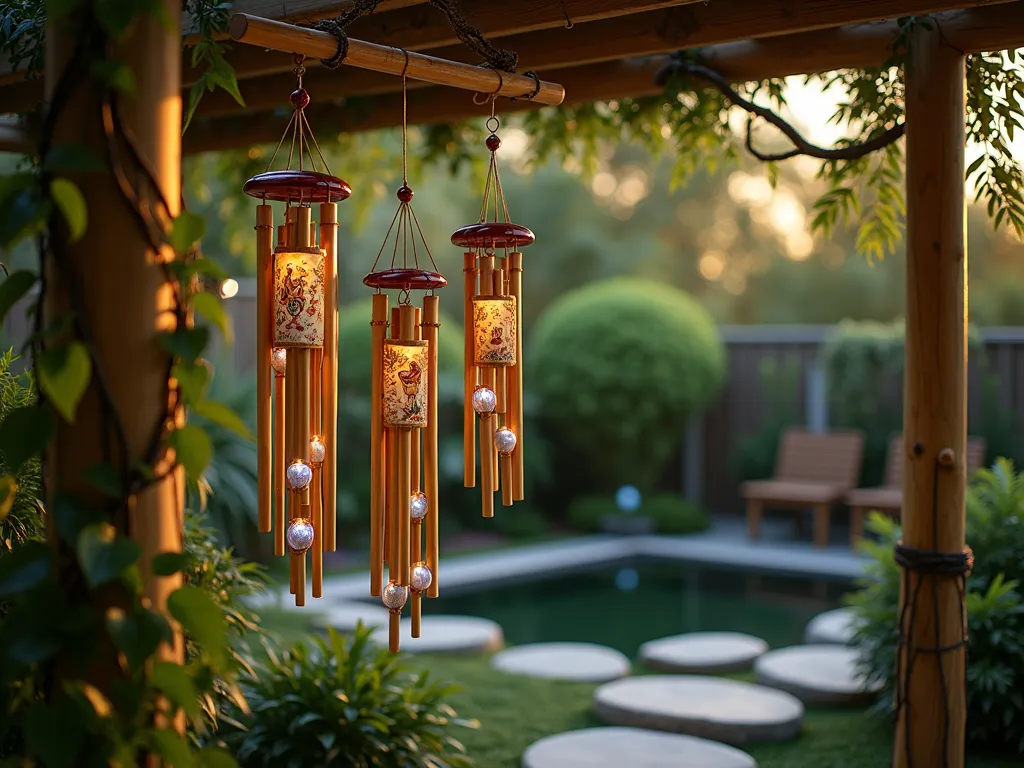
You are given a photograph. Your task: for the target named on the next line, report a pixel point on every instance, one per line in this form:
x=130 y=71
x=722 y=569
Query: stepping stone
x=708 y=707
x=823 y=675
x=709 y=653
x=576 y=662
x=345 y=616
x=447 y=634
x=633 y=747
x=831 y=627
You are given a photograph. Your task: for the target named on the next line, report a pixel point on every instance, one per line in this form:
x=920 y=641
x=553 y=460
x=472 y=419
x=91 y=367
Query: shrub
x=24 y=521
x=667 y=513
x=345 y=703
x=618 y=366
x=995 y=608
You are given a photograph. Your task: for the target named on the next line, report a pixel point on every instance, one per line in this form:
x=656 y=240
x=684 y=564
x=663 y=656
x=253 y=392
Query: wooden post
x=931 y=722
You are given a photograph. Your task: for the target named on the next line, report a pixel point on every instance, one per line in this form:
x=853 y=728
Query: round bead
x=299 y=475
x=279 y=360
x=493 y=142
x=299 y=535
x=505 y=441
x=421 y=577
x=317 y=451
x=418 y=506
x=394 y=596
x=404 y=193
x=299 y=98
x=484 y=400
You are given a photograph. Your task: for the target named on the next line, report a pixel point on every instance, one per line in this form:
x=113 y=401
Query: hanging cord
x=492 y=184
x=299 y=128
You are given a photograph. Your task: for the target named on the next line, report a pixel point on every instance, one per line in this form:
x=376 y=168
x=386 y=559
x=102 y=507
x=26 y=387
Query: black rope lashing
x=337 y=26
x=931 y=563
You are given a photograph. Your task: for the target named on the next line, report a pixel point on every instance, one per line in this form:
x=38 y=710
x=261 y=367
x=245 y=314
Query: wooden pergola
x=597 y=50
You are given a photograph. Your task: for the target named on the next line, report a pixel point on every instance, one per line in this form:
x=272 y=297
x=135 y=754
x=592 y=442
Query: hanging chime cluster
x=494 y=340
x=297 y=352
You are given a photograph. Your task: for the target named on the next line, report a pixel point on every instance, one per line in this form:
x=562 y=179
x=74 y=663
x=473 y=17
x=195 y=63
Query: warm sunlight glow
x=604 y=184
x=711 y=265
x=799 y=244
x=750 y=190
x=786 y=213
x=514 y=143
x=228 y=288
x=632 y=189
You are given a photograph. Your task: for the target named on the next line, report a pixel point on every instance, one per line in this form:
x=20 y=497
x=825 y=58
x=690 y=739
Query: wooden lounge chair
x=889 y=497
x=813 y=470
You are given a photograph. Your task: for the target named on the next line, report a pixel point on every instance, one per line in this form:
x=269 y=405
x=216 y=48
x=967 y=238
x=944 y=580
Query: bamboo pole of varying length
x=317 y=490
x=430 y=333
x=407 y=331
x=468 y=414
x=415 y=611
x=264 y=348
x=415 y=481
x=391 y=492
x=931 y=722
x=329 y=374
x=311 y=43
x=378 y=329
x=515 y=375
x=498 y=289
x=299 y=365
x=280 y=463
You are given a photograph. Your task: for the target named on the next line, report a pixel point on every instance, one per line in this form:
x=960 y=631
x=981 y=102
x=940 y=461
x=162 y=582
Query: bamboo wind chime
x=297 y=352
x=403 y=435
x=493 y=342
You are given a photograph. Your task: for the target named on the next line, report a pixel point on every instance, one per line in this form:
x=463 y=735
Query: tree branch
x=801 y=146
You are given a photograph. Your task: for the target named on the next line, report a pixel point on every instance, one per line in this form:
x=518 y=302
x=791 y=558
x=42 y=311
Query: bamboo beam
x=380 y=58
x=930 y=730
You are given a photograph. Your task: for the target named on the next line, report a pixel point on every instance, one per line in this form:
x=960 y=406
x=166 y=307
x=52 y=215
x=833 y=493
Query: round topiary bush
x=618 y=366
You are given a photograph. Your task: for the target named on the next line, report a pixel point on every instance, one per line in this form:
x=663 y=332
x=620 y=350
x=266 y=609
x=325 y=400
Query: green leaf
x=222 y=415
x=193 y=449
x=24 y=434
x=212 y=308
x=71 y=202
x=186 y=343
x=172 y=747
x=24 y=568
x=103 y=555
x=8 y=490
x=168 y=563
x=203 y=619
x=64 y=374
x=54 y=733
x=212 y=757
x=193 y=379
x=105 y=478
x=13 y=289
x=195 y=95
x=186 y=231
x=138 y=634
x=173 y=681
x=71 y=158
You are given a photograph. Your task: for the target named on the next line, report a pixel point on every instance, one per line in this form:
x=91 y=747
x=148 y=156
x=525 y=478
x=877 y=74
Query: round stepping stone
x=447 y=634
x=633 y=747
x=707 y=707
x=816 y=674
x=576 y=662
x=831 y=627
x=345 y=616
x=710 y=653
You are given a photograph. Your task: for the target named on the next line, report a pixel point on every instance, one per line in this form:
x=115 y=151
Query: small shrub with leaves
x=343 y=703
x=995 y=608
x=21 y=517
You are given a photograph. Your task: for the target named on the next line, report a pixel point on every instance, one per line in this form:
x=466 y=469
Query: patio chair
x=888 y=498
x=813 y=470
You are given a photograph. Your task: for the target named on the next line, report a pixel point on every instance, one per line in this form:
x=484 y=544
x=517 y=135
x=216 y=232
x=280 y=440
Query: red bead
x=299 y=98
x=493 y=142
x=404 y=193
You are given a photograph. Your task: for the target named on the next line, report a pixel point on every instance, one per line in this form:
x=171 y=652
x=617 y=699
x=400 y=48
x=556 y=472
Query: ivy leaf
x=186 y=231
x=70 y=158
x=24 y=434
x=54 y=732
x=193 y=379
x=64 y=374
x=173 y=681
x=203 y=619
x=186 y=343
x=105 y=478
x=172 y=747
x=138 y=634
x=13 y=289
x=211 y=307
x=103 y=555
x=24 y=568
x=71 y=202
x=169 y=563
x=8 y=490
x=222 y=415
x=193 y=449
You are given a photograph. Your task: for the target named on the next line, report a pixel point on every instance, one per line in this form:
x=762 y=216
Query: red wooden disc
x=492 y=234
x=406 y=280
x=293 y=186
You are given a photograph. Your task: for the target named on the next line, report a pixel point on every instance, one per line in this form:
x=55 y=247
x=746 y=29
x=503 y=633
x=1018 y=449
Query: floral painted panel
x=494 y=330
x=405 y=383
x=299 y=299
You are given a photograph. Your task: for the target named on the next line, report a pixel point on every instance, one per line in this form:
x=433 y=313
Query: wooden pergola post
x=125 y=298
x=931 y=720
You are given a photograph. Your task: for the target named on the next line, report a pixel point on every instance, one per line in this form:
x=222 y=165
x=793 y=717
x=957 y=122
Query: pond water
x=623 y=606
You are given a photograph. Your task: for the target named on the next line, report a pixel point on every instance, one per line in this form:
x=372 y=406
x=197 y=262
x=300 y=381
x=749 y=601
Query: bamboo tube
x=329 y=374
x=417 y=437
x=300 y=573
x=407 y=330
x=297 y=394
x=290 y=215
x=264 y=348
x=498 y=289
x=391 y=491
x=316 y=491
x=417 y=596
x=507 y=474
x=416 y=613
x=514 y=374
x=280 y=463
x=311 y=43
x=378 y=328
x=430 y=333
x=486 y=273
x=393 y=624
x=468 y=414
x=487 y=462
